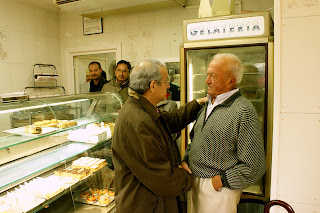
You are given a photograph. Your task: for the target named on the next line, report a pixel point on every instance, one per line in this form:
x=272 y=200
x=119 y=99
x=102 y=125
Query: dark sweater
x=229 y=143
x=98 y=87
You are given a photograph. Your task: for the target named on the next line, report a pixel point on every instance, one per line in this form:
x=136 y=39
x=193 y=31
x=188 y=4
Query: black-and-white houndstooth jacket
x=228 y=143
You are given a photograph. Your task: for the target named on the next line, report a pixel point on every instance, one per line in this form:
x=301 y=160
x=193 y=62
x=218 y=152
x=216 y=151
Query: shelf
x=28 y=156
x=17 y=171
x=66 y=190
x=13 y=140
x=93 y=209
x=42 y=202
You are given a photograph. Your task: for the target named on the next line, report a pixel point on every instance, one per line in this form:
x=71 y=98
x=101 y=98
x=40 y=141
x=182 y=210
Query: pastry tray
x=83 y=200
x=27 y=207
x=20 y=131
x=39 y=200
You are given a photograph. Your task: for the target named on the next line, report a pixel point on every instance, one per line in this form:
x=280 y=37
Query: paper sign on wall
x=92 y=25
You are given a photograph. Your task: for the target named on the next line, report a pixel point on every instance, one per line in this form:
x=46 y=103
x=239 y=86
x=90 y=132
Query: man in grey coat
x=147 y=173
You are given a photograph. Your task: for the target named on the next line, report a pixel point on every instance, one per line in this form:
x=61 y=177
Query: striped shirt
x=228 y=143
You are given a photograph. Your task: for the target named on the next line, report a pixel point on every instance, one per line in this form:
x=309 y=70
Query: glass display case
x=55 y=153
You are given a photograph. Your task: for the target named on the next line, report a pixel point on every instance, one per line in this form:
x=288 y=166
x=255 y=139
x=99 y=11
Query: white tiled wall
x=31 y=36
x=165 y=24
x=296 y=159
x=152 y=34
x=302 y=75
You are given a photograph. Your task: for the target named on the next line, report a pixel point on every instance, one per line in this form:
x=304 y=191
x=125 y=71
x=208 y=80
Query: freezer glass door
x=252 y=86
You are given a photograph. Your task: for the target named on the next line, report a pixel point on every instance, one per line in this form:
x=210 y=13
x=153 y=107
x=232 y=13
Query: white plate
x=20 y=131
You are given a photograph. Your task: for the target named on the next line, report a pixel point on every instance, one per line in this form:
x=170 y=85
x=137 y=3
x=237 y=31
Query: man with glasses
x=145 y=157
x=120 y=83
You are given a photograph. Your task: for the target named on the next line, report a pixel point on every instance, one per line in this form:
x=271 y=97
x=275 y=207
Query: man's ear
x=233 y=81
x=152 y=86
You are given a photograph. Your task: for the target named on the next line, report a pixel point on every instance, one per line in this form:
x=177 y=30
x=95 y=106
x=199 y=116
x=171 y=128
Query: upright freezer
x=250 y=37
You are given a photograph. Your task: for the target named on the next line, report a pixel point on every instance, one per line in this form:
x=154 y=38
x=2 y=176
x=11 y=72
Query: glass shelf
x=13 y=140
x=23 y=105
x=19 y=170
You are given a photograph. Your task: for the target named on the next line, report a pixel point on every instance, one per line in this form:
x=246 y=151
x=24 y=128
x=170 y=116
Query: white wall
x=154 y=34
x=28 y=35
x=296 y=156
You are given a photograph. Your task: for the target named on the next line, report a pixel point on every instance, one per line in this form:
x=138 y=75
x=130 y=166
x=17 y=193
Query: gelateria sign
x=227 y=28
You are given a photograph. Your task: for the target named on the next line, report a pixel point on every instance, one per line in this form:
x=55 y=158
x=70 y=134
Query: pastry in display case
x=56 y=153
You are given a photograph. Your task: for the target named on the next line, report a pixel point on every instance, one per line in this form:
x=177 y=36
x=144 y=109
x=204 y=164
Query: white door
x=81 y=70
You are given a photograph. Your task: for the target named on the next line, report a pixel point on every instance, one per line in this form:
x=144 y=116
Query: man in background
x=120 y=83
x=174 y=89
x=226 y=153
x=97 y=80
x=145 y=158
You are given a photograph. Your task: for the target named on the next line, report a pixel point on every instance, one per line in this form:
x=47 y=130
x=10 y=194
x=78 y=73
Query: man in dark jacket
x=146 y=163
x=97 y=80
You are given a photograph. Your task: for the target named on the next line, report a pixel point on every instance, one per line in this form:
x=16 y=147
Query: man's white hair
x=231 y=63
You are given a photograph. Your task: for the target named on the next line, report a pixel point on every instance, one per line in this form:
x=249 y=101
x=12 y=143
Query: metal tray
x=96 y=203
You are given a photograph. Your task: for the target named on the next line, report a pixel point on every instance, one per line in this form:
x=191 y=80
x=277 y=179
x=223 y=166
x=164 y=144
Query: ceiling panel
x=104 y=7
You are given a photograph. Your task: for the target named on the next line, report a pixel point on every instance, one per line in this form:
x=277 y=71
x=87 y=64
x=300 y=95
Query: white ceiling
x=47 y=4
x=92 y=6
x=102 y=8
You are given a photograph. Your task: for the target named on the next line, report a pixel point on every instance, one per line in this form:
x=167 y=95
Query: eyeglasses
x=122 y=71
x=167 y=81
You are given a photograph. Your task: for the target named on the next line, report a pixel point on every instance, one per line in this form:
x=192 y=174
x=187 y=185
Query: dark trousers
x=179 y=204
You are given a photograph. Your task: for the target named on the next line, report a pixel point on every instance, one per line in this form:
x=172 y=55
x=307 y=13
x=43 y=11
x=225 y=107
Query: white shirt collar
x=219 y=99
x=222 y=97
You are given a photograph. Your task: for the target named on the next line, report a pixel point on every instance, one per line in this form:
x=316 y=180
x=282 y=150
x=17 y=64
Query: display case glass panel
x=40 y=139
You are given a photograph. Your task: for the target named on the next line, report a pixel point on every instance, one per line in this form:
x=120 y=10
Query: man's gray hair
x=231 y=63
x=146 y=71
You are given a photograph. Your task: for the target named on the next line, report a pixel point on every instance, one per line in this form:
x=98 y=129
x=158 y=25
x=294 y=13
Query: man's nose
x=208 y=80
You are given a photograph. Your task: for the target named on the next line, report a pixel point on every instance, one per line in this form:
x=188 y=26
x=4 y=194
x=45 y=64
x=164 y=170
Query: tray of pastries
x=81 y=168
x=42 y=127
x=31 y=130
x=96 y=196
x=93 y=164
x=93 y=133
x=55 y=123
x=30 y=194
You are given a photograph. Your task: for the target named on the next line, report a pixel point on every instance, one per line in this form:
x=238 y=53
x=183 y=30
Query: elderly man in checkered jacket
x=226 y=153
